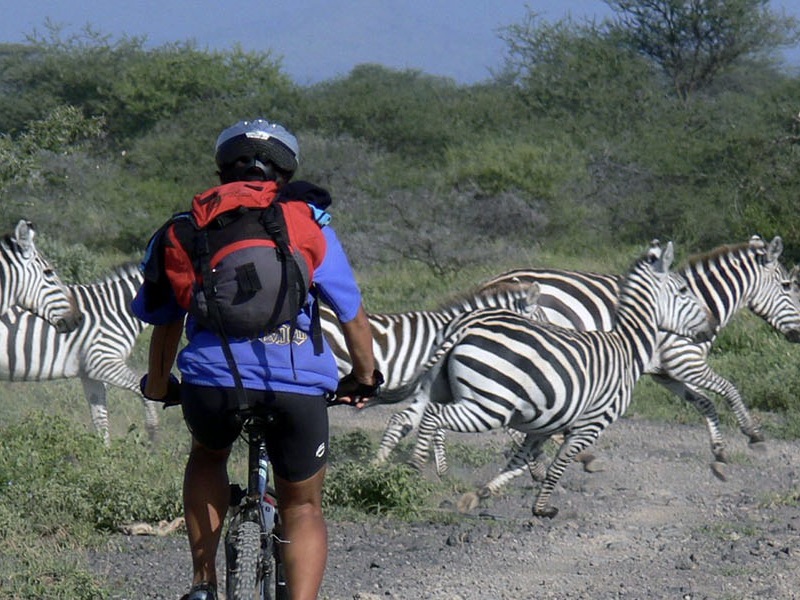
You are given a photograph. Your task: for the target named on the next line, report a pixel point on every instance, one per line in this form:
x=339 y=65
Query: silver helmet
x=258 y=142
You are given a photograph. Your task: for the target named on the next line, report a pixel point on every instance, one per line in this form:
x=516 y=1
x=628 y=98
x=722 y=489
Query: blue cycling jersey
x=265 y=363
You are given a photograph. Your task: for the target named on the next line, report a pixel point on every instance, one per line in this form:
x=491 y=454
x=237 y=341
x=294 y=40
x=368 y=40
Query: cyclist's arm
x=163 y=349
x=358 y=337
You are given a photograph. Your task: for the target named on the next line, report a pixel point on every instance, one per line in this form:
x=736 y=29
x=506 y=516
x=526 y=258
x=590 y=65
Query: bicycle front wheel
x=247 y=575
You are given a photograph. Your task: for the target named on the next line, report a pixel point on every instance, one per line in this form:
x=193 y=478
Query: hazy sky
x=319 y=39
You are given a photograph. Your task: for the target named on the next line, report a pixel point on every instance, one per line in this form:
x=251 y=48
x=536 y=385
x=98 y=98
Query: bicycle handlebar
x=173 y=397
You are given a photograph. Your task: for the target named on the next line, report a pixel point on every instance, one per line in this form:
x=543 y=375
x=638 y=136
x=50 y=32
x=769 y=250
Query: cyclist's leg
x=303 y=526
x=206 y=493
x=297 y=442
x=206 y=496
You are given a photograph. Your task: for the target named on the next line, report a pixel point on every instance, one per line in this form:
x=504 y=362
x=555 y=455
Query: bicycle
x=252 y=556
x=253 y=568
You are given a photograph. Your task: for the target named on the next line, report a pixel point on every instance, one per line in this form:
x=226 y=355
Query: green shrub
x=398 y=490
x=60 y=477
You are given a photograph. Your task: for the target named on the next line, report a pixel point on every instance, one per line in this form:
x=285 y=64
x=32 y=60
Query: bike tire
x=247 y=576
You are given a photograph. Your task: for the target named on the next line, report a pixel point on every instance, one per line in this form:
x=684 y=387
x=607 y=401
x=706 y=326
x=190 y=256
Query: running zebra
x=497 y=369
x=402 y=341
x=95 y=352
x=727 y=278
x=28 y=281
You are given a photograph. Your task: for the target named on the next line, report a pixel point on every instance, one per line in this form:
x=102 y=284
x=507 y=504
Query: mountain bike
x=252 y=555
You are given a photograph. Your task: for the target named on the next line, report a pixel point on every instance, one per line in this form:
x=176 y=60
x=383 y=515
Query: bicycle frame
x=251 y=550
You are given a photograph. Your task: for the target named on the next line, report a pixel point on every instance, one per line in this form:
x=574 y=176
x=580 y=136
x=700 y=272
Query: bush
x=58 y=477
x=397 y=490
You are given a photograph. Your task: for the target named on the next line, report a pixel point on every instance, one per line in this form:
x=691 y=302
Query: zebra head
x=678 y=309
x=777 y=298
x=29 y=281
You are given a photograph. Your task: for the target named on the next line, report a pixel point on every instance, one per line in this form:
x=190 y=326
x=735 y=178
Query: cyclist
x=290 y=381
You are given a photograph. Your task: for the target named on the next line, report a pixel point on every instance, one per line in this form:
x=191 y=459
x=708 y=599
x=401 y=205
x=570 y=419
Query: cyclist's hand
x=173 y=395
x=356 y=393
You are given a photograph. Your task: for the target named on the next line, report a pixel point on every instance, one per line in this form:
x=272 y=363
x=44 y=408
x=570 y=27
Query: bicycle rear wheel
x=248 y=574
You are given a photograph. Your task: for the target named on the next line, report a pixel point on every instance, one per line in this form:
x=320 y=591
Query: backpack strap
x=203 y=253
x=275 y=224
x=316 y=323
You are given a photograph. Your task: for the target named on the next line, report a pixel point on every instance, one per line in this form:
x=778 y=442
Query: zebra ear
x=668 y=257
x=757 y=243
x=775 y=249
x=23 y=236
x=654 y=251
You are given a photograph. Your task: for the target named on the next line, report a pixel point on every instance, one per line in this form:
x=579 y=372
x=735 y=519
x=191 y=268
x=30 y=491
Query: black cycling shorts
x=297 y=432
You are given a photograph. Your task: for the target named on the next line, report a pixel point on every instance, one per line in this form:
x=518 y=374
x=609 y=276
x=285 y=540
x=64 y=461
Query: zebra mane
x=126 y=271
x=715 y=253
x=468 y=297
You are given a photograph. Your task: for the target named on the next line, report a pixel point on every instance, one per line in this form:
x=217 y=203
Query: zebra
x=606 y=288
x=95 y=352
x=496 y=369
x=401 y=341
x=728 y=278
x=29 y=283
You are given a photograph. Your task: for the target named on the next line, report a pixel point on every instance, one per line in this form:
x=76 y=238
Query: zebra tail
x=424 y=373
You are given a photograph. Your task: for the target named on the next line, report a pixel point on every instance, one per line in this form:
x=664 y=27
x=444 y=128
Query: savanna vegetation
x=672 y=119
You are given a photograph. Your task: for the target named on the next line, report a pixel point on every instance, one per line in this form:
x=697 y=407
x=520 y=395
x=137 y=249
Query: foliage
x=693 y=42
x=578 y=75
x=408 y=112
x=62 y=131
x=60 y=487
x=59 y=478
x=397 y=490
x=131 y=87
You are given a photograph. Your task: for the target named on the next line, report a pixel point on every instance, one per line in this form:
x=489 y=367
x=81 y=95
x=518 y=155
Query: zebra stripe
x=28 y=281
x=498 y=369
x=402 y=341
x=95 y=352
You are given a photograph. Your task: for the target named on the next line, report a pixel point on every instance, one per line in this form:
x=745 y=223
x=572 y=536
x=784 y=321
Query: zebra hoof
x=718 y=468
x=758 y=445
x=591 y=464
x=467 y=502
x=547 y=512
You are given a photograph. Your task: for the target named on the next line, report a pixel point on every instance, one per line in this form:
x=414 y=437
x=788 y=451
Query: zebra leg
x=526 y=457
x=439 y=455
x=400 y=425
x=125 y=378
x=151 y=419
x=713 y=382
x=430 y=423
x=526 y=453
x=95 y=392
x=575 y=442
x=706 y=408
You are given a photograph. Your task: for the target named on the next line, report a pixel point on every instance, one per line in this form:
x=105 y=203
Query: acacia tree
x=692 y=41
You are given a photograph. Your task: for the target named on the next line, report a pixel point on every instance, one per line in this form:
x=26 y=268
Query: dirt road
x=655 y=524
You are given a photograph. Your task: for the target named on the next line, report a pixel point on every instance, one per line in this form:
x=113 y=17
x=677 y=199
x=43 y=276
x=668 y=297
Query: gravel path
x=655 y=524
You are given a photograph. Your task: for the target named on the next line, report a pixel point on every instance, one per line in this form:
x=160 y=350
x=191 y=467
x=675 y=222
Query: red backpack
x=242 y=261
